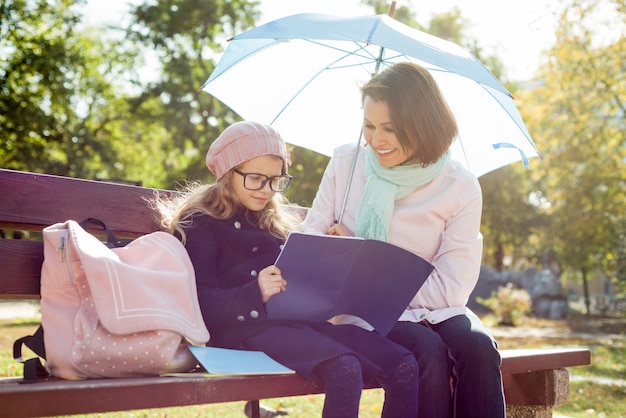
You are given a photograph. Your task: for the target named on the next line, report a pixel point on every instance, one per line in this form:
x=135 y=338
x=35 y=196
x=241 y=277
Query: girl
x=233 y=231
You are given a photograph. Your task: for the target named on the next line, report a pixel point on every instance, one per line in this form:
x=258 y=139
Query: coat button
x=253 y=273
x=240 y=318
x=237 y=225
x=255 y=249
x=254 y=314
x=282 y=246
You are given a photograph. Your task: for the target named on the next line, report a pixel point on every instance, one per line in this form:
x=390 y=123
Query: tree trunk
x=499 y=257
x=586 y=291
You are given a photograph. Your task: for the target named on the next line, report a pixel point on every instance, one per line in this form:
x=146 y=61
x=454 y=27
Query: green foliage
x=73 y=103
x=449 y=25
x=307 y=169
x=62 y=102
x=183 y=36
x=508 y=303
x=38 y=73
x=401 y=13
x=511 y=218
x=577 y=116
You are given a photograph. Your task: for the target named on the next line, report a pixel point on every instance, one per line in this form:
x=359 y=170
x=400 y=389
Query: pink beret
x=243 y=141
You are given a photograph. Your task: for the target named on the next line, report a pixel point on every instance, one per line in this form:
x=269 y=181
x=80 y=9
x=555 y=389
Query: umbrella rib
x=297 y=93
x=367 y=55
x=462 y=145
x=324 y=68
x=360 y=47
x=521 y=128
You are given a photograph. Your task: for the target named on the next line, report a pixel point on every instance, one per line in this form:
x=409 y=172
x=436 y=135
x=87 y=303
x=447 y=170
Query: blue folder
x=329 y=275
x=237 y=362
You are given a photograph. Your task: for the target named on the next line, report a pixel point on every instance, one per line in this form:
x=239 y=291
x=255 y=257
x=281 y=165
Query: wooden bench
x=534 y=380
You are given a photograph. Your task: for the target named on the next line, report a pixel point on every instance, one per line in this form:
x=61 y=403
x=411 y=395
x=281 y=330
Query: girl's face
x=266 y=165
x=380 y=135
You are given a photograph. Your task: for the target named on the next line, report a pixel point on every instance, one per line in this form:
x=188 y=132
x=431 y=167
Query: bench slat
x=529 y=360
x=42 y=398
x=33 y=201
x=21 y=262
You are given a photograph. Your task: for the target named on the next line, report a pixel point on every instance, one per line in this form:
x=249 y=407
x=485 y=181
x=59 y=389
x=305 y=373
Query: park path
x=19 y=309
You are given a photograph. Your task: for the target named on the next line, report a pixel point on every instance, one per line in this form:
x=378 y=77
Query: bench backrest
x=31 y=202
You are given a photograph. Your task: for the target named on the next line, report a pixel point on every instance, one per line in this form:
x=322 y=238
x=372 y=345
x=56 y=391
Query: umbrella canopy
x=302 y=75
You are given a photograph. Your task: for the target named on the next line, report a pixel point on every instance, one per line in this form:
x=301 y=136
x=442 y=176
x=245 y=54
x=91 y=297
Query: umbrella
x=301 y=74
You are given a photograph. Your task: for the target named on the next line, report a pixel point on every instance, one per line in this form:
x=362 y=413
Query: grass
x=587 y=397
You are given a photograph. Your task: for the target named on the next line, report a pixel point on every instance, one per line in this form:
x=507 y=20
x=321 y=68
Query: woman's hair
x=421 y=118
x=218 y=200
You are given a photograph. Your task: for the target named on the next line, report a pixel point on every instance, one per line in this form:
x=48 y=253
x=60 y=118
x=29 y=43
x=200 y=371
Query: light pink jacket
x=439 y=221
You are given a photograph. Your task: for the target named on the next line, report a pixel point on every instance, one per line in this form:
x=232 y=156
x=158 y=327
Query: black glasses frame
x=264 y=182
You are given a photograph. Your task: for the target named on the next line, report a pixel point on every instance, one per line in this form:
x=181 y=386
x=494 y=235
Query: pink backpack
x=119 y=312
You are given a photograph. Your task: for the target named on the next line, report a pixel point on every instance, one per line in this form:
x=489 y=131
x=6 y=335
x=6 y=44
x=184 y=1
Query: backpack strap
x=33 y=368
x=112 y=241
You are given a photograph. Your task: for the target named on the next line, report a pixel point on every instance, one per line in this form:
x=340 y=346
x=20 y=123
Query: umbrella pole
x=392 y=10
x=345 y=195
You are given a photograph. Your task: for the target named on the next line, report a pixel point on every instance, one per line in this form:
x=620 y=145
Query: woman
x=233 y=231
x=407 y=191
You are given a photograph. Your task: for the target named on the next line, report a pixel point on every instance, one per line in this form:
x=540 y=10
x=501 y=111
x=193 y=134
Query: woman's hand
x=271 y=282
x=337 y=230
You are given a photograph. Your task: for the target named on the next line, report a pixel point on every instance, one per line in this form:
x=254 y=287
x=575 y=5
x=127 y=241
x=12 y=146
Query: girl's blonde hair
x=218 y=200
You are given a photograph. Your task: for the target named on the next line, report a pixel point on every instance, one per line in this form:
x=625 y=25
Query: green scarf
x=386 y=185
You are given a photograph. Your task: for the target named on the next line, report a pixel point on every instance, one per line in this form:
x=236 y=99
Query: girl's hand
x=337 y=230
x=271 y=282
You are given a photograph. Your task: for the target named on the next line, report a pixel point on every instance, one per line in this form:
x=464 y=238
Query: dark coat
x=227 y=256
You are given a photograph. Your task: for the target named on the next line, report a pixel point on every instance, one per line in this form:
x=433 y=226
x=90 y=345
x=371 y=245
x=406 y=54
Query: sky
x=517 y=32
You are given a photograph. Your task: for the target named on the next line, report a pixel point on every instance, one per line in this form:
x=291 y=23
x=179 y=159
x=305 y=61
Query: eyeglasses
x=255 y=181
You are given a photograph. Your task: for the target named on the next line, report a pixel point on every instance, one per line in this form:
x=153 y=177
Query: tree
x=401 y=13
x=76 y=101
x=577 y=111
x=512 y=220
x=185 y=36
x=54 y=87
x=170 y=113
